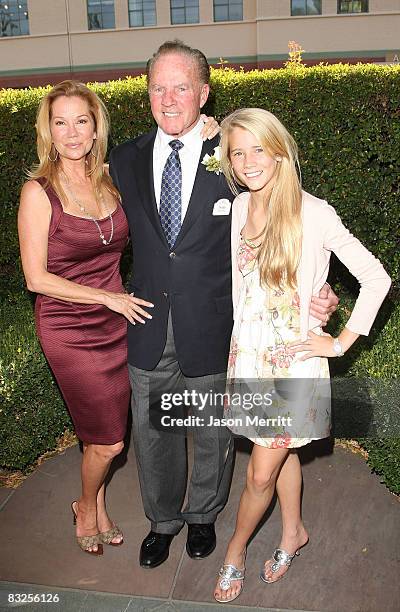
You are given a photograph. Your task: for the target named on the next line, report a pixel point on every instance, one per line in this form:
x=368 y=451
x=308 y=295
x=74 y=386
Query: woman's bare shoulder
x=33 y=194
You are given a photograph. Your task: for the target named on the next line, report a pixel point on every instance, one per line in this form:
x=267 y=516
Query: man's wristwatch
x=337 y=348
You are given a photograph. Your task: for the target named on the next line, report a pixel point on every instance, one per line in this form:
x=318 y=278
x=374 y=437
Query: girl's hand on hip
x=314 y=346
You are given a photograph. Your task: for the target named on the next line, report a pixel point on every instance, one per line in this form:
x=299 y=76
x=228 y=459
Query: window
x=352 y=6
x=228 y=10
x=14 y=18
x=184 y=11
x=306 y=7
x=101 y=14
x=142 y=13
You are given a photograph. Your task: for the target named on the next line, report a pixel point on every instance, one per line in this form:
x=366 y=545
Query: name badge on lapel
x=222 y=207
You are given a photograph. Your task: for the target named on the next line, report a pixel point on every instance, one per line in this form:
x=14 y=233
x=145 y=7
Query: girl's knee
x=260 y=480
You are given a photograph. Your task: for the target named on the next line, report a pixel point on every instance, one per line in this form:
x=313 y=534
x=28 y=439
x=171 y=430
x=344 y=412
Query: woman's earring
x=91 y=152
x=55 y=157
x=278 y=158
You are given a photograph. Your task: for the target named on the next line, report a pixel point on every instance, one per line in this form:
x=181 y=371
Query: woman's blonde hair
x=49 y=161
x=280 y=249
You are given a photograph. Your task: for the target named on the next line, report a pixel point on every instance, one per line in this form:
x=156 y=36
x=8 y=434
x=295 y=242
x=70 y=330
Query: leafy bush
x=32 y=412
x=372 y=370
x=346 y=122
x=384 y=459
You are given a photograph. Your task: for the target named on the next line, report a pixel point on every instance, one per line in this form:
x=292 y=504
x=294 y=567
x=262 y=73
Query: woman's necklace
x=89 y=216
x=250 y=242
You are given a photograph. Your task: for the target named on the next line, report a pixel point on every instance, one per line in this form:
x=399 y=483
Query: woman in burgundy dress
x=72 y=232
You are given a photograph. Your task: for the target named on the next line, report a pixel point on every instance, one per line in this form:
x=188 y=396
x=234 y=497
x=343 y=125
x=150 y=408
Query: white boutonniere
x=213 y=162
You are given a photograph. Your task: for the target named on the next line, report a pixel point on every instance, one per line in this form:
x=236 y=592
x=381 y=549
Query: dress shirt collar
x=190 y=140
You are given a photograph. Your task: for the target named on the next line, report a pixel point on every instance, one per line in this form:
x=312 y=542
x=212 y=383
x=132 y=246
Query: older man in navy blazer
x=179 y=216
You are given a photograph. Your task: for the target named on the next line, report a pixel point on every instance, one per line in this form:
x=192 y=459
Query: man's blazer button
x=172 y=255
x=165 y=294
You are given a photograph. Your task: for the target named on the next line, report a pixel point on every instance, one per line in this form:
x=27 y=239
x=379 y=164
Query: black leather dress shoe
x=201 y=540
x=155 y=549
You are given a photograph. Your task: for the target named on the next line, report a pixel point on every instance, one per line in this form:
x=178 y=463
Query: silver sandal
x=227 y=574
x=281 y=559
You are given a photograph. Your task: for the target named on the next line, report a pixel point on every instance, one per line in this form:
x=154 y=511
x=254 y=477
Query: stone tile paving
x=68 y=600
x=350 y=565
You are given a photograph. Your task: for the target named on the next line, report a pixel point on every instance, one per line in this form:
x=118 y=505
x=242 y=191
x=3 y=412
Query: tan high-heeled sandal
x=107 y=536
x=86 y=543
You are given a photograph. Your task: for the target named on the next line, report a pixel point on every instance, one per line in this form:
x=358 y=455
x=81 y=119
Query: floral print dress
x=266 y=321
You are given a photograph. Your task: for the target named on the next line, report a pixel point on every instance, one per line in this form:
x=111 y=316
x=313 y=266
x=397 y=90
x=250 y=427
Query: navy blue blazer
x=194 y=280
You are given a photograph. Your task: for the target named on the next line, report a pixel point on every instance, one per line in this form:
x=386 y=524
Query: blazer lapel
x=202 y=183
x=144 y=172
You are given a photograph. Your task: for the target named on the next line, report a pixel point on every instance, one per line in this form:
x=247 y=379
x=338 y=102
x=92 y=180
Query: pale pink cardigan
x=323 y=232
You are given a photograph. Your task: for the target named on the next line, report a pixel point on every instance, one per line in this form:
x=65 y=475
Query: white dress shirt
x=189 y=156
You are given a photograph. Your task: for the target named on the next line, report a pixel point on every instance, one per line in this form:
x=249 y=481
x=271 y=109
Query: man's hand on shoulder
x=324 y=305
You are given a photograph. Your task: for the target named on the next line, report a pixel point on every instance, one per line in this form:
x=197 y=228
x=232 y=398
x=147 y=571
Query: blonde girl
x=282 y=238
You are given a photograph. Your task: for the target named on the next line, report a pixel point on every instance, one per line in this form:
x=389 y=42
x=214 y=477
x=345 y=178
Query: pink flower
x=280 y=357
x=312 y=413
x=281 y=440
x=233 y=353
x=227 y=401
x=245 y=255
x=296 y=301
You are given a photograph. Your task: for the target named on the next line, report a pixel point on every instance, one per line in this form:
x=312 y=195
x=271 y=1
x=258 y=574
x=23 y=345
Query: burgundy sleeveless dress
x=85 y=344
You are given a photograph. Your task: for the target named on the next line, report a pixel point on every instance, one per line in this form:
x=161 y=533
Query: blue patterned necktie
x=170 y=198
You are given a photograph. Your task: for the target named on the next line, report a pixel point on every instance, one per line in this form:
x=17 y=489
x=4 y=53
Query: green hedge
x=371 y=371
x=346 y=122
x=32 y=412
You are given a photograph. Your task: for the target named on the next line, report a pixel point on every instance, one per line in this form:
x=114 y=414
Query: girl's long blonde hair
x=280 y=249
x=49 y=161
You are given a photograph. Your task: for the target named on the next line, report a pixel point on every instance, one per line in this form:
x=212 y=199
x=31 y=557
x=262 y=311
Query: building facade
x=45 y=41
